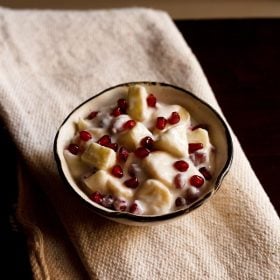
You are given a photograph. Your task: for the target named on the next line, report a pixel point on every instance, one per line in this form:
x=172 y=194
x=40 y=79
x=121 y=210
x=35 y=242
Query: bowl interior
x=200 y=111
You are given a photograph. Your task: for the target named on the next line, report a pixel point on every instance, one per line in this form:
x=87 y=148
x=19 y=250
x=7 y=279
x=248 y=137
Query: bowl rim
x=112 y=214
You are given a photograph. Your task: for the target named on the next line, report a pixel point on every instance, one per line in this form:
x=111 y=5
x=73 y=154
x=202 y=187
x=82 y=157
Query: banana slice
x=104 y=183
x=174 y=141
x=159 y=165
x=99 y=156
x=199 y=135
x=137 y=102
x=155 y=197
x=132 y=137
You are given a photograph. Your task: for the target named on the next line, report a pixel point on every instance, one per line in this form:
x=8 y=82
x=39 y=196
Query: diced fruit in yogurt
x=137 y=104
x=159 y=165
x=199 y=135
x=174 y=141
x=97 y=182
x=155 y=197
x=82 y=124
x=104 y=183
x=99 y=156
x=131 y=138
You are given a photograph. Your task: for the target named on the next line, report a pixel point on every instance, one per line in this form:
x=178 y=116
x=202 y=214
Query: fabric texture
x=51 y=61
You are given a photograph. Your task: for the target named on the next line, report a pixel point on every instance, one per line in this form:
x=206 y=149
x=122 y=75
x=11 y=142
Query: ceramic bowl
x=202 y=112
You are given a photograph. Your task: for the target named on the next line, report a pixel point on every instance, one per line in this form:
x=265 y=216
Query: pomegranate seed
x=113 y=146
x=151 y=100
x=180 y=201
x=122 y=104
x=196 y=181
x=92 y=115
x=117 y=171
x=142 y=152
x=85 y=135
x=204 y=126
x=116 y=112
x=132 y=170
x=132 y=183
x=107 y=201
x=191 y=195
x=105 y=140
x=174 y=118
x=135 y=208
x=96 y=197
x=205 y=172
x=193 y=147
x=178 y=181
x=147 y=142
x=181 y=165
x=123 y=154
x=161 y=123
x=129 y=124
x=120 y=204
x=73 y=149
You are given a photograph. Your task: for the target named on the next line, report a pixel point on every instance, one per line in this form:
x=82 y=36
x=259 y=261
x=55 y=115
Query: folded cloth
x=51 y=61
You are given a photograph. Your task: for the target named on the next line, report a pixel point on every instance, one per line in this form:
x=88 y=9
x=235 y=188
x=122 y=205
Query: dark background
x=241 y=61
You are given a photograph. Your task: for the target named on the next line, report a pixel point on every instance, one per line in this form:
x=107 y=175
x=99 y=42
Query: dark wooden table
x=241 y=60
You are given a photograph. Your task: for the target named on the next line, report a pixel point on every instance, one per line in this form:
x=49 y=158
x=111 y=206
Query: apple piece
x=199 y=135
x=174 y=140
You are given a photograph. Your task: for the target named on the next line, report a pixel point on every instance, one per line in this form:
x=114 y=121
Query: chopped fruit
x=97 y=182
x=82 y=124
x=199 y=135
x=161 y=123
x=107 y=201
x=147 y=142
x=99 y=156
x=180 y=201
x=174 y=118
x=92 y=115
x=123 y=105
x=120 y=205
x=204 y=126
x=142 y=152
x=135 y=208
x=196 y=181
x=205 y=172
x=116 y=112
x=116 y=188
x=129 y=124
x=73 y=149
x=105 y=140
x=174 y=141
x=132 y=183
x=85 y=135
x=117 y=171
x=155 y=196
x=151 y=100
x=137 y=105
x=123 y=154
x=96 y=197
x=158 y=161
x=193 y=147
x=181 y=165
x=131 y=138
x=179 y=182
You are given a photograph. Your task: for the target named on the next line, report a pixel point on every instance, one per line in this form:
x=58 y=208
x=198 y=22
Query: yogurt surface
x=141 y=155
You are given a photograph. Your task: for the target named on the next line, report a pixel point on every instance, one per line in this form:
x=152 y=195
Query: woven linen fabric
x=51 y=61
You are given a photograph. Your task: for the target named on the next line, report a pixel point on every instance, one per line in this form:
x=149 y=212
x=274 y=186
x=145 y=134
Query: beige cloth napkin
x=53 y=60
